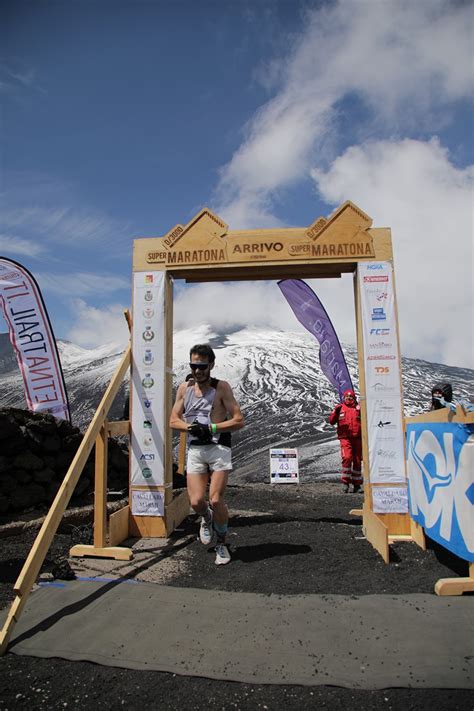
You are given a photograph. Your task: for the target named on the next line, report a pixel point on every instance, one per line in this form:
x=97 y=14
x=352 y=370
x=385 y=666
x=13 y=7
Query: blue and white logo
x=440 y=460
x=378 y=314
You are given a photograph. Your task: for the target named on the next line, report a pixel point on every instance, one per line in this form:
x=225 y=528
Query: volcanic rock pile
x=36 y=451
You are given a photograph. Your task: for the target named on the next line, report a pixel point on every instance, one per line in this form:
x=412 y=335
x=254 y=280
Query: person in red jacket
x=347 y=417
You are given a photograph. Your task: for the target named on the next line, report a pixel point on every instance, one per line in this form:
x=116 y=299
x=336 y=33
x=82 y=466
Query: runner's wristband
x=213 y=429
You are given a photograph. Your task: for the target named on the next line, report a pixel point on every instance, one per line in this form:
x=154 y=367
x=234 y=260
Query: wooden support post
x=456 y=586
x=40 y=547
x=376 y=533
x=118 y=526
x=100 y=491
x=100 y=549
x=417 y=533
x=128 y=318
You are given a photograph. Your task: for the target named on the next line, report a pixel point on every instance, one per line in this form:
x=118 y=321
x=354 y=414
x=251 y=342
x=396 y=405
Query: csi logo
x=382 y=369
x=379 y=331
x=147 y=457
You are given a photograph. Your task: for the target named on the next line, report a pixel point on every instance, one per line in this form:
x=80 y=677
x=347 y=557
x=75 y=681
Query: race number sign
x=284 y=466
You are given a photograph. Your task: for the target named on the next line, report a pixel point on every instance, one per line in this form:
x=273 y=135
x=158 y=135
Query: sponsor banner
x=148 y=367
x=310 y=312
x=33 y=340
x=149 y=502
x=284 y=466
x=390 y=499
x=385 y=438
x=440 y=465
x=382 y=373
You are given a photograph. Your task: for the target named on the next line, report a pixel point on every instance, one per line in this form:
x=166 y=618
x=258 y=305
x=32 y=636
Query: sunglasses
x=199 y=366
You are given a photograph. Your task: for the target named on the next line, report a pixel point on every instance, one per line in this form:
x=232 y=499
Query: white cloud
x=412 y=187
x=11 y=245
x=65 y=224
x=93 y=326
x=81 y=283
x=228 y=307
x=405 y=61
x=384 y=70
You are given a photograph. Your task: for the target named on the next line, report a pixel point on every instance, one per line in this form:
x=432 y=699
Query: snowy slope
x=276 y=378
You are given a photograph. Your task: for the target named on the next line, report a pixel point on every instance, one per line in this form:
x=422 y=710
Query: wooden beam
x=107 y=552
x=376 y=533
x=177 y=511
x=34 y=561
x=118 y=526
x=417 y=533
x=100 y=489
x=456 y=586
x=115 y=429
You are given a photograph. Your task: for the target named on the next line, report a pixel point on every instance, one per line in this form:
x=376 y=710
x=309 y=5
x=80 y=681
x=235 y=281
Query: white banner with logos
x=147 y=390
x=33 y=340
x=382 y=374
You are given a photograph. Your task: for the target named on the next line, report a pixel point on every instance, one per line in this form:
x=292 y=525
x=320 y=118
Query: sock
x=221 y=529
x=207 y=515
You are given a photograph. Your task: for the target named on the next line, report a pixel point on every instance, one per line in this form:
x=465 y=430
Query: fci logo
x=382 y=370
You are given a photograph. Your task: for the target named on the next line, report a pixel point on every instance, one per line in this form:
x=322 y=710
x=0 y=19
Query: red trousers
x=351 y=455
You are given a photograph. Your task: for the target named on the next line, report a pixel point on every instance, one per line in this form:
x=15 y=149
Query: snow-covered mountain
x=276 y=378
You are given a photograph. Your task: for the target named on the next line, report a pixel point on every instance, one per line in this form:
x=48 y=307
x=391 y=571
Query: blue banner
x=312 y=315
x=440 y=465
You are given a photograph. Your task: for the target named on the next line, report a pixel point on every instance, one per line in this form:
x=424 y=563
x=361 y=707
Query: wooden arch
x=205 y=250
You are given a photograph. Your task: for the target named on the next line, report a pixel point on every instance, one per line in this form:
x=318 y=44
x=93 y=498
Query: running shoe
x=206 y=531
x=222 y=554
x=346 y=488
x=356 y=489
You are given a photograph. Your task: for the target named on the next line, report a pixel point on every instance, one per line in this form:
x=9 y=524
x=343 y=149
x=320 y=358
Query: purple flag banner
x=312 y=315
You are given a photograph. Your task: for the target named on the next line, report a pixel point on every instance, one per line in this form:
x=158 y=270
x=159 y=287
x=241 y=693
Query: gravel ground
x=285 y=539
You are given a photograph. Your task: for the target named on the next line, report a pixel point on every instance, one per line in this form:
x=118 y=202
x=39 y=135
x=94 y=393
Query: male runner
x=210 y=413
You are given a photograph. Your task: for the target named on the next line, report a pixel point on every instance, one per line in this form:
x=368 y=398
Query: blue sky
x=121 y=119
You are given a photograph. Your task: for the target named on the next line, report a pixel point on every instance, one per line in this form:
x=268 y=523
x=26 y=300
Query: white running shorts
x=213 y=457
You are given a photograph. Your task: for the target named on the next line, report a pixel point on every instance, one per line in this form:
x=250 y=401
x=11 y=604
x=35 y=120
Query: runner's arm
x=176 y=418
x=236 y=420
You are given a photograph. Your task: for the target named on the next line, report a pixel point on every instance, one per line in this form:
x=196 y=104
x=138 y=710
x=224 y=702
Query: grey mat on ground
x=370 y=642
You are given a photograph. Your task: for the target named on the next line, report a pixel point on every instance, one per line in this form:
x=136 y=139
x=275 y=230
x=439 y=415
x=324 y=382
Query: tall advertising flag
x=312 y=315
x=33 y=341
